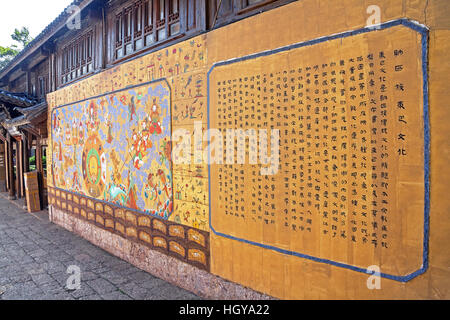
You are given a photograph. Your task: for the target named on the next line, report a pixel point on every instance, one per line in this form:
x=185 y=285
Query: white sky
x=33 y=14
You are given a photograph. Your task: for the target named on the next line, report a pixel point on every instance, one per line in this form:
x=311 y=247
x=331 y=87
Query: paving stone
x=101 y=286
x=35 y=255
x=114 y=277
x=43 y=278
x=22 y=291
x=92 y=297
x=133 y=290
x=152 y=284
x=84 y=291
x=52 y=267
x=88 y=275
x=61 y=278
x=116 y=295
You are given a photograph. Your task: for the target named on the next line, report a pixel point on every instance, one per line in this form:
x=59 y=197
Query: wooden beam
x=45 y=51
x=31 y=130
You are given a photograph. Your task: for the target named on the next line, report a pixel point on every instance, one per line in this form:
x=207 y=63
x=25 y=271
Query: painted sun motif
x=93 y=164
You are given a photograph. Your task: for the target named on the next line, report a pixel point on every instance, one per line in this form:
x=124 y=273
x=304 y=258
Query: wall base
x=174 y=271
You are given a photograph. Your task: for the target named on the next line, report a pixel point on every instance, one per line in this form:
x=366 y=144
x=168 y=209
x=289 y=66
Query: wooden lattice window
x=253 y=2
x=223 y=12
x=144 y=23
x=77 y=58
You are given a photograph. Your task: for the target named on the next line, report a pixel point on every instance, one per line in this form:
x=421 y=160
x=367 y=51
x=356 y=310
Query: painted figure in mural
x=166 y=154
x=162 y=176
x=132 y=197
x=131 y=109
x=56 y=124
x=68 y=136
x=93 y=122
x=137 y=150
x=158 y=194
x=155 y=117
x=80 y=133
x=166 y=187
x=140 y=143
x=68 y=161
x=60 y=153
x=120 y=194
x=150 y=190
x=109 y=138
x=76 y=185
x=146 y=142
x=74 y=132
x=115 y=193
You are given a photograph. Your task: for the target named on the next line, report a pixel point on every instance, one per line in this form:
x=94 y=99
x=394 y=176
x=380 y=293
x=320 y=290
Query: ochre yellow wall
x=294 y=278
x=267 y=271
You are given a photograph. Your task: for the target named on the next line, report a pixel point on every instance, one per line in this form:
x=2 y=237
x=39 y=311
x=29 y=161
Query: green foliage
x=6 y=55
x=23 y=38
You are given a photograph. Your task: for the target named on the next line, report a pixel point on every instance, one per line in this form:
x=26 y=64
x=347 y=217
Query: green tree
x=23 y=38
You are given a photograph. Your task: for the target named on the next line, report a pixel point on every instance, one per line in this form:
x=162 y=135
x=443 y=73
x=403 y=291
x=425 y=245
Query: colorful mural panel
x=116 y=148
x=184 y=67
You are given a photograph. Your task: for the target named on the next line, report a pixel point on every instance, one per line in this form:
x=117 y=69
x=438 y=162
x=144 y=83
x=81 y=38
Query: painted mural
x=116 y=148
x=184 y=67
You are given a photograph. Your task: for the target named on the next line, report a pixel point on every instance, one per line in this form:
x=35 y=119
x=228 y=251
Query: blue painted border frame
x=163 y=80
x=423 y=31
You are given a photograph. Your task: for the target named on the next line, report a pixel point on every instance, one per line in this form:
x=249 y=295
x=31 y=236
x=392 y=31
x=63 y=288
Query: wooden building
x=111 y=32
x=352 y=96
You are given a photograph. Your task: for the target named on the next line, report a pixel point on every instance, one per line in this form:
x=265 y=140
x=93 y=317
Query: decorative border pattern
x=423 y=31
x=187 y=244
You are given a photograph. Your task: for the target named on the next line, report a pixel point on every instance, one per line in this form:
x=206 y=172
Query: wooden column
x=38 y=155
x=12 y=184
x=19 y=168
x=3 y=172
x=40 y=168
x=26 y=153
x=22 y=166
x=6 y=164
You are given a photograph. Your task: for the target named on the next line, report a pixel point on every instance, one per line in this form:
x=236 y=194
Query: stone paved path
x=35 y=255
